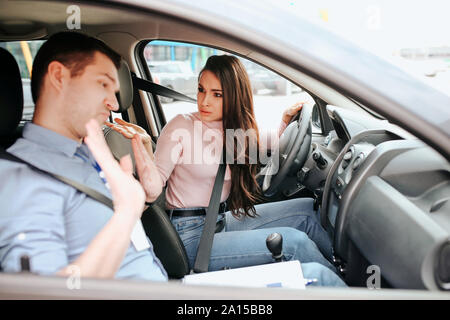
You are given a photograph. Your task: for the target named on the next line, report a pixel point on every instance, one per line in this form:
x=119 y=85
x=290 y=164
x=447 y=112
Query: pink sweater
x=187 y=157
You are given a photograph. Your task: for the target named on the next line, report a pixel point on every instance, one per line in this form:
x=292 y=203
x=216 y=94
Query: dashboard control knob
x=346 y=159
x=348 y=155
x=358 y=161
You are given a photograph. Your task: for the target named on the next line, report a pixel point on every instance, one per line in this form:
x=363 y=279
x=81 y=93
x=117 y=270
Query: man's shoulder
x=39 y=155
x=26 y=147
x=26 y=190
x=17 y=173
x=20 y=149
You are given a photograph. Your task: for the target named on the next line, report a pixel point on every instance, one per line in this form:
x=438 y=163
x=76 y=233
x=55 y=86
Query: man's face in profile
x=91 y=95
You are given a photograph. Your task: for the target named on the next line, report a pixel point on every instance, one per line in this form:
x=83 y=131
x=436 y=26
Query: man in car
x=74 y=81
x=74 y=86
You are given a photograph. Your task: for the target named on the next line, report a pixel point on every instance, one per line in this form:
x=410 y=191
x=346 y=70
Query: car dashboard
x=385 y=202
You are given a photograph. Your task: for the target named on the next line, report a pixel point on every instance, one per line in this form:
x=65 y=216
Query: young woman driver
x=186 y=161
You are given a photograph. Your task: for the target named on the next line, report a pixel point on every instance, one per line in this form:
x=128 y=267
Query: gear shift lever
x=274 y=243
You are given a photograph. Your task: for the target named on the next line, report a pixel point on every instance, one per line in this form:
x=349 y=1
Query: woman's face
x=209 y=97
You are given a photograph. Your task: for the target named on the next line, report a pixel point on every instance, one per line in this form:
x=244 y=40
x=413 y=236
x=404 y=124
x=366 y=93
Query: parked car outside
x=176 y=75
x=265 y=81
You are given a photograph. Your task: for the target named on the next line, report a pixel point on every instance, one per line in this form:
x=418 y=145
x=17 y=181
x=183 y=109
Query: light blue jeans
x=243 y=242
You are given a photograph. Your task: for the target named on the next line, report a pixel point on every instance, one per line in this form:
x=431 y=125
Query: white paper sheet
x=138 y=237
x=283 y=274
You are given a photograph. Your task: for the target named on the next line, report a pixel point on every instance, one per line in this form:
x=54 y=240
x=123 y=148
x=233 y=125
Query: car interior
x=383 y=194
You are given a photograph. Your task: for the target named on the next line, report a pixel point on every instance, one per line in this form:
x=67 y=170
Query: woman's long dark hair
x=238 y=115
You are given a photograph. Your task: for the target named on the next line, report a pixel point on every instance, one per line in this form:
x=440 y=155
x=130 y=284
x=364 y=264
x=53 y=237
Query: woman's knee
x=294 y=240
x=298 y=246
x=296 y=236
x=304 y=204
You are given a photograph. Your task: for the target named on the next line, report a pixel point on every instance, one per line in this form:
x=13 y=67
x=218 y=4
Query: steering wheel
x=294 y=147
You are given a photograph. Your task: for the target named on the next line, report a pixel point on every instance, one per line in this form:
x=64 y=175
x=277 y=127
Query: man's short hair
x=72 y=49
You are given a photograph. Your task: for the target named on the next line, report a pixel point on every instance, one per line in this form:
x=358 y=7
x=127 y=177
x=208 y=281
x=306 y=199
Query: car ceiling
x=17 y=22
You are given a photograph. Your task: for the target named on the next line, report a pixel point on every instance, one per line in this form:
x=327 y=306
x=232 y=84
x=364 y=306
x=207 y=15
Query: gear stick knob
x=274 y=243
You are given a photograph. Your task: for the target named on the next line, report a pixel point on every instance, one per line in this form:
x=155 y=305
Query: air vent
x=439 y=204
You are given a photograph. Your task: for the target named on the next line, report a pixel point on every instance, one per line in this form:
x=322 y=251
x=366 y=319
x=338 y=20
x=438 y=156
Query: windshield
x=413 y=35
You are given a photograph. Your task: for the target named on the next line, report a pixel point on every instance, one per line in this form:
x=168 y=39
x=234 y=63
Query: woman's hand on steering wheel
x=290 y=112
x=295 y=144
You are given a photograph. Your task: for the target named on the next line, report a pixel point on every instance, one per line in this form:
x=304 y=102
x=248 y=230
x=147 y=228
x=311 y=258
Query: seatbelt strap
x=152 y=87
x=206 y=241
x=94 y=194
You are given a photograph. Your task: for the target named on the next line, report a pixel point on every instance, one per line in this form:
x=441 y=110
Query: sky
x=381 y=26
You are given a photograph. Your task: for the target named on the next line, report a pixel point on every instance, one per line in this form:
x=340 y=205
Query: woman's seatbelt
x=160 y=90
x=206 y=241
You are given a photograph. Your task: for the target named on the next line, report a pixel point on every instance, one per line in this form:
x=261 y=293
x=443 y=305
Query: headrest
x=125 y=95
x=11 y=94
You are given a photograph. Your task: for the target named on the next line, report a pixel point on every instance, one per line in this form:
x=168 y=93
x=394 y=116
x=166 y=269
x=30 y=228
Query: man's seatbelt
x=206 y=241
x=94 y=194
x=207 y=237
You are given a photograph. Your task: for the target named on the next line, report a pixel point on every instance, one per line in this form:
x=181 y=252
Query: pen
x=309 y=281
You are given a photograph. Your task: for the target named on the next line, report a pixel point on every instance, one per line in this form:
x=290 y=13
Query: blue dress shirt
x=52 y=222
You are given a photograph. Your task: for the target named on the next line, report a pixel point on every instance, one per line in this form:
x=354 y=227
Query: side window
x=24 y=53
x=176 y=65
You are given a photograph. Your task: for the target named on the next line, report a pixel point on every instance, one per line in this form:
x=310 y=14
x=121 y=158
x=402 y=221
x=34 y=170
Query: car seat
x=11 y=99
x=167 y=244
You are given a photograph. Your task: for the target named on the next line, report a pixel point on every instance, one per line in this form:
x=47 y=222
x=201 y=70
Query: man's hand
x=143 y=154
x=128 y=195
x=290 y=112
x=105 y=253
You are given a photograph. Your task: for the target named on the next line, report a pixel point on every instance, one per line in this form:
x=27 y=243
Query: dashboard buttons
x=348 y=157
x=358 y=161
